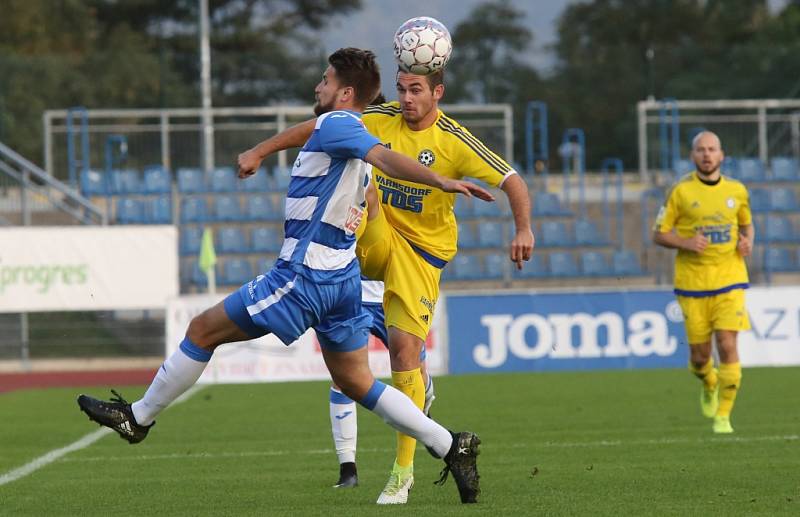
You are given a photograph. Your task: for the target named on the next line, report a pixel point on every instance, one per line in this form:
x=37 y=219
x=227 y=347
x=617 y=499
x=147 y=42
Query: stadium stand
x=785 y=169
x=191 y=181
x=157 y=180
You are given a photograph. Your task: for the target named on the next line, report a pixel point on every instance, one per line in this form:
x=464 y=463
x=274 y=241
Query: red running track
x=22 y=381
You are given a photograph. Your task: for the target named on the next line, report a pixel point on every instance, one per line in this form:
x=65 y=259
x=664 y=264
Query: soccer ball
x=422 y=45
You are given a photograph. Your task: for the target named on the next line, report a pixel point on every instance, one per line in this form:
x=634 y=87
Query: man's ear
x=438 y=92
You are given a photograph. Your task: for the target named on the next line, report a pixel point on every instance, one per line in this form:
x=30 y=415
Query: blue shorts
x=378 y=328
x=287 y=304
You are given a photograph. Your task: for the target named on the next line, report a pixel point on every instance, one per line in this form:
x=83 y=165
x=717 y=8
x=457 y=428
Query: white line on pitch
x=82 y=443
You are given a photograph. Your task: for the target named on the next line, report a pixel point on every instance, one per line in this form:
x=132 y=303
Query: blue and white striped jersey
x=325 y=201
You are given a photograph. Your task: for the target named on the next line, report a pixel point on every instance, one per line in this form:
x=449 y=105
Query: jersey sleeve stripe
x=383 y=110
x=499 y=162
x=490 y=158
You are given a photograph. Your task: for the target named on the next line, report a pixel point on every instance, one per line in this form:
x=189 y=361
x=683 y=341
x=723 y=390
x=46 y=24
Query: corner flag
x=208 y=259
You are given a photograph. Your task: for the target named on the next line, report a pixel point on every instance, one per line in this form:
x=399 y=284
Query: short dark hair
x=434 y=78
x=380 y=99
x=358 y=69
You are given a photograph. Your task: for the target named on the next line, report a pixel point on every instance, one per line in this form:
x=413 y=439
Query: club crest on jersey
x=730 y=202
x=426 y=157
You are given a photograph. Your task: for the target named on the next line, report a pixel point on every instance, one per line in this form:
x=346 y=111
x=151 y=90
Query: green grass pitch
x=591 y=443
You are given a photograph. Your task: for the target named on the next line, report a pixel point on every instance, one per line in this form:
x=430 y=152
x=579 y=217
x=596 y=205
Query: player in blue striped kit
x=315 y=282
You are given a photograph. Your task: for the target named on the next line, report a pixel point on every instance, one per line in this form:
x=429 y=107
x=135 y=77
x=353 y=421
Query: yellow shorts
x=724 y=311
x=411 y=284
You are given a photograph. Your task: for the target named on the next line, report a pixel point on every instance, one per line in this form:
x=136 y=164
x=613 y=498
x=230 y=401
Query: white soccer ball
x=422 y=45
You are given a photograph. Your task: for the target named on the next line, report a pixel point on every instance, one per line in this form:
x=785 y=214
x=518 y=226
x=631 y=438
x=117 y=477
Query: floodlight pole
x=205 y=85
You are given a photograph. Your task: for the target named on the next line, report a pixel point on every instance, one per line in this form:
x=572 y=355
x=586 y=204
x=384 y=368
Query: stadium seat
x=463 y=207
x=158 y=210
x=625 y=263
x=495 y=265
x=236 y=272
x=191 y=181
x=594 y=263
x=497 y=208
x=751 y=170
x=93 y=183
x=588 y=234
x=124 y=181
x=490 y=234
x=157 y=180
x=778 y=260
x=548 y=204
x=260 y=208
x=779 y=229
x=536 y=267
x=730 y=167
x=198 y=276
x=783 y=200
x=194 y=210
x=264 y=264
x=223 y=179
x=282 y=177
x=466 y=267
x=785 y=169
x=130 y=211
x=555 y=235
x=562 y=264
x=759 y=200
x=682 y=167
x=258 y=182
x=265 y=240
x=227 y=208
x=466 y=236
x=190 y=239
x=231 y=240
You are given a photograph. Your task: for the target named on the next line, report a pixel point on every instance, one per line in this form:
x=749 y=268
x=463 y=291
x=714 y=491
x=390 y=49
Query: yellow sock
x=411 y=384
x=730 y=378
x=706 y=373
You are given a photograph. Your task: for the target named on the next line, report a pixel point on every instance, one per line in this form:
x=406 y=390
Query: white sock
x=178 y=373
x=429 y=396
x=399 y=411
x=344 y=426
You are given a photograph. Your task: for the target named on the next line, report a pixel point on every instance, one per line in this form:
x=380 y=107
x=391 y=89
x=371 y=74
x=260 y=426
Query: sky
x=374 y=25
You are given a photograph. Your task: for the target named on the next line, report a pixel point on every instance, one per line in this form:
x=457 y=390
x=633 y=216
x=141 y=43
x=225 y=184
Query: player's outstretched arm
x=295 y=136
x=402 y=167
x=523 y=242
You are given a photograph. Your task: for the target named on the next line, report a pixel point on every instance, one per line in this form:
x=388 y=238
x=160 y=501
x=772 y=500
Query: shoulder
x=337 y=118
x=735 y=184
x=681 y=184
x=385 y=110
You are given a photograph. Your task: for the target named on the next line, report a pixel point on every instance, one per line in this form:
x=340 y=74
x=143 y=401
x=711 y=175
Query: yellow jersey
x=421 y=214
x=717 y=211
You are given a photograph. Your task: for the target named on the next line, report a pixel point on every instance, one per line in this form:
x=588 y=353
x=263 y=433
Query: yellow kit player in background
x=707 y=218
x=411 y=231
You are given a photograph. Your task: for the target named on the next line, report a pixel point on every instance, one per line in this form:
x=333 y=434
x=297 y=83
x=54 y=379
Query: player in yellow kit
x=707 y=218
x=411 y=231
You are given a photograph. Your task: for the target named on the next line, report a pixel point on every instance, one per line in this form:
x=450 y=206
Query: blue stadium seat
x=490 y=234
x=466 y=236
x=785 y=169
x=260 y=208
x=625 y=263
x=258 y=182
x=778 y=260
x=190 y=239
x=130 y=211
x=191 y=181
x=536 y=267
x=495 y=265
x=562 y=264
x=759 y=200
x=198 y=276
x=194 y=210
x=466 y=267
x=588 y=234
x=223 y=179
x=158 y=210
x=548 y=204
x=231 y=240
x=463 y=207
x=236 y=271
x=783 y=200
x=555 y=235
x=751 y=170
x=730 y=167
x=682 y=166
x=496 y=208
x=594 y=263
x=281 y=178
x=779 y=229
x=124 y=181
x=157 y=180
x=227 y=208
x=93 y=183
x=265 y=240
